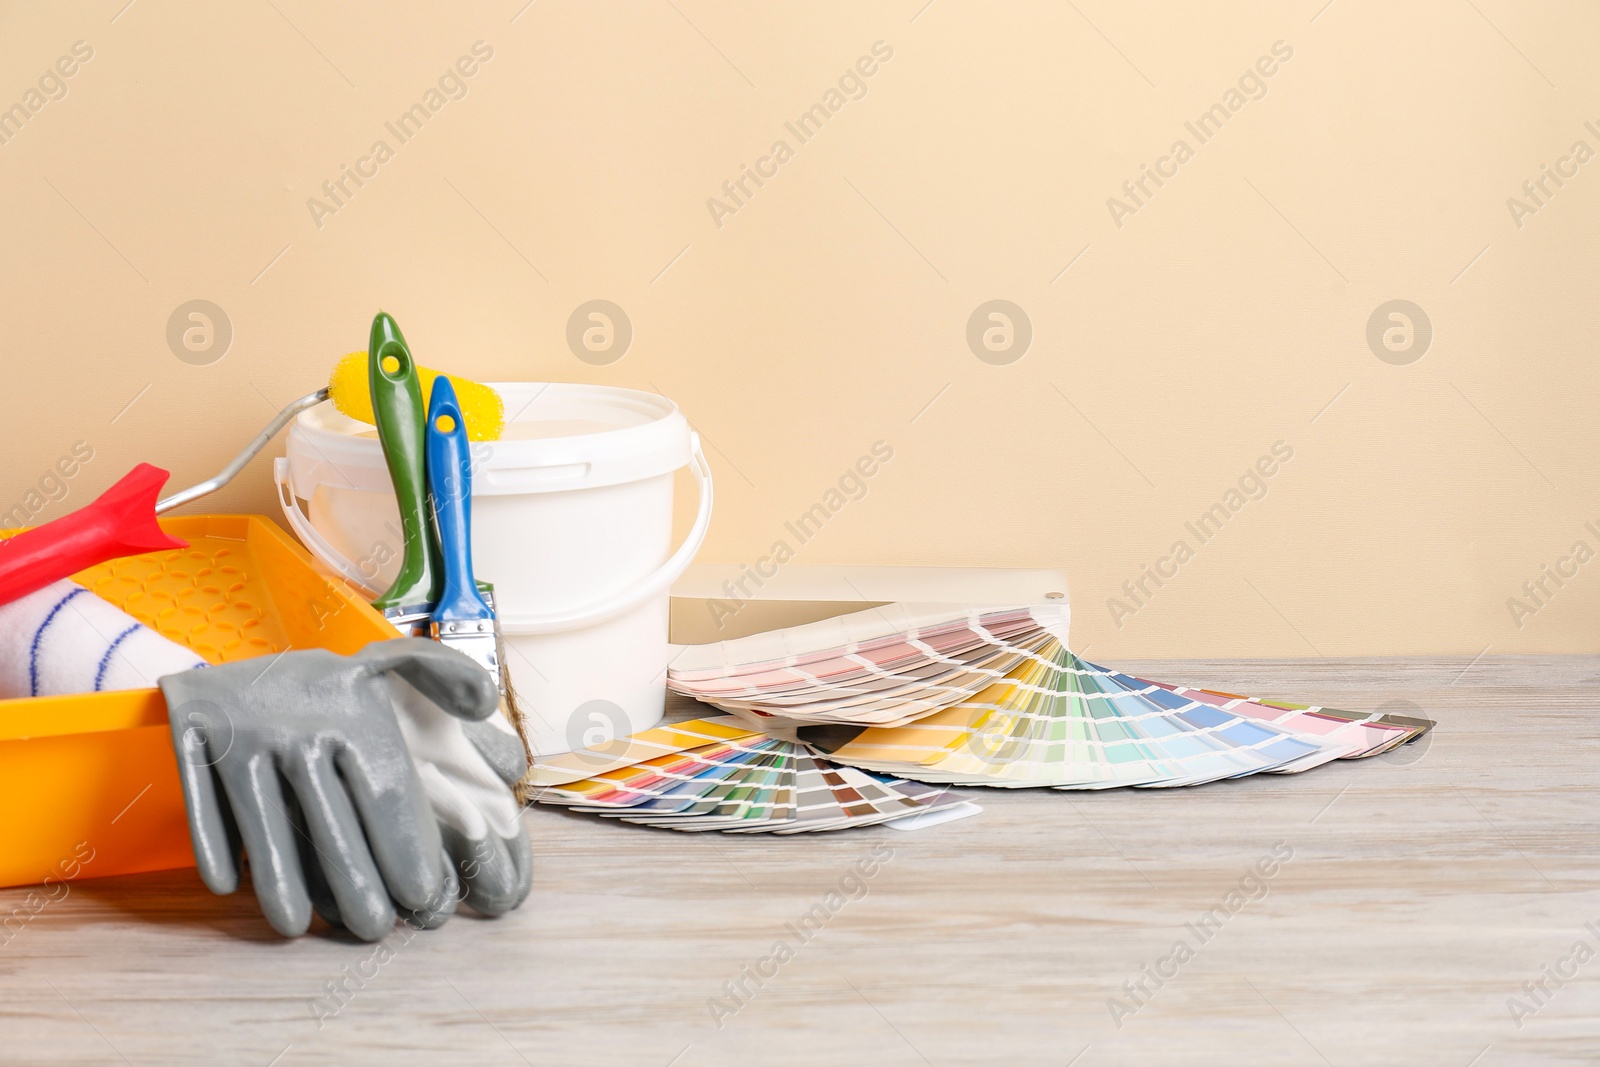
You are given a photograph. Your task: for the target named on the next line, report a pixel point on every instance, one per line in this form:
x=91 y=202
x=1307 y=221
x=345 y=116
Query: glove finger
x=434 y=914
x=216 y=853
x=451 y=679
x=352 y=876
x=255 y=793
x=322 y=898
x=500 y=750
x=398 y=823
x=482 y=827
x=522 y=858
x=496 y=873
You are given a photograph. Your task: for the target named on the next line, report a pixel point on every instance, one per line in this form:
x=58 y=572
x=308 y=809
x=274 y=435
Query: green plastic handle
x=397 y=405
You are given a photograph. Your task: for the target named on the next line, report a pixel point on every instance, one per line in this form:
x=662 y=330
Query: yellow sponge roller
x=481 y=406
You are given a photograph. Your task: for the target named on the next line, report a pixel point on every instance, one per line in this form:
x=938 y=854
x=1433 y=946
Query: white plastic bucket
x=571 y=522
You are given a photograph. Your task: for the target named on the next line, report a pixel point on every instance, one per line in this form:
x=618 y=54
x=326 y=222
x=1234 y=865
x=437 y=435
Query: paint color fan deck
x=733 y=780
x=878 y=708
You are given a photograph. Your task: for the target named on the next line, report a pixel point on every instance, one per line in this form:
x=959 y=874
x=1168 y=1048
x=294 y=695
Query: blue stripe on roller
x=105 y=660
x=38 y=636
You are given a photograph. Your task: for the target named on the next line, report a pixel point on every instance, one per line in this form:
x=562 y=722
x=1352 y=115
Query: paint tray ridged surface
x=738 y=781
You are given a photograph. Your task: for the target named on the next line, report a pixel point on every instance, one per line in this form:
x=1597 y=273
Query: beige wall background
x=1169 y=353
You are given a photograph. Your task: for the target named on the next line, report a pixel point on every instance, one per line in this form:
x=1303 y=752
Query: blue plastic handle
x=450 y=484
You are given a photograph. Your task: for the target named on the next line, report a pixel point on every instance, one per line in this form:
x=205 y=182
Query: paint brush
x=464 y=617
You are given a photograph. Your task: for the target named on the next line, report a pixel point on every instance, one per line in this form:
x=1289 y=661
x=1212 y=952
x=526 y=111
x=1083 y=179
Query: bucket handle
x=593 y=615
x=326 y=554
x=630 y=598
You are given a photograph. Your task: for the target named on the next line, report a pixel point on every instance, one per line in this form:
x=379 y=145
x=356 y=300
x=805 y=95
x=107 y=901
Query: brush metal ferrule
x=412 y=620
x=477 y=639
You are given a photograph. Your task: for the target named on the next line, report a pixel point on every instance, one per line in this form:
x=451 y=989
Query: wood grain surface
x=1425 y=888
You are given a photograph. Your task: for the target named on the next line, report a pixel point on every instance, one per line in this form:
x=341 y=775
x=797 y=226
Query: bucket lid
x=558 y=436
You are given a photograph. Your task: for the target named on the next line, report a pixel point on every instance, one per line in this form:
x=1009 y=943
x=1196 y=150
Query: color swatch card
x=869 y=631
x=637 y=748
x=750 y=784
x=1069 y=724
x=1362 y=734
x=876 y=675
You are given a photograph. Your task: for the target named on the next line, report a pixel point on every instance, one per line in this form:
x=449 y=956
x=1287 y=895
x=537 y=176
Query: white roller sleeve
x=64 y=639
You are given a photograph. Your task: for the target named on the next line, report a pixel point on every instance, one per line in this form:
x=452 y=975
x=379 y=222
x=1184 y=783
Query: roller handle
x=450 y=486
x=397 y=408
x=119 y=522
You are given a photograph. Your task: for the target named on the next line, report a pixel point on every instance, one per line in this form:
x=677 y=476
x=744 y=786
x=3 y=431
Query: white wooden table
x=1425 y=888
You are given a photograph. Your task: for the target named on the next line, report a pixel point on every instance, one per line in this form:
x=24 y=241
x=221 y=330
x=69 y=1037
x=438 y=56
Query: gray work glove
x=300 y=760
x=468 y=760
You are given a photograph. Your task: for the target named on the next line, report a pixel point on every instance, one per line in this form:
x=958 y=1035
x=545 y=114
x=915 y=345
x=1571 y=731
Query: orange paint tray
x=94 y=775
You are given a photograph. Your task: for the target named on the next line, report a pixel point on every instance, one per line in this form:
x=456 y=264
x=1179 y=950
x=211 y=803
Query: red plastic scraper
x=120 y=522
